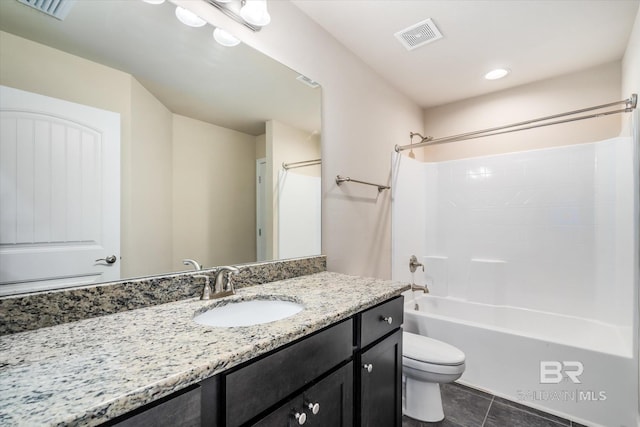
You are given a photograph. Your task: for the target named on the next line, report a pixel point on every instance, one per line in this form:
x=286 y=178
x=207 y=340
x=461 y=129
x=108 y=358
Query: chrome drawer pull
x=314 y=407
x=368 y=367
x=389 y=319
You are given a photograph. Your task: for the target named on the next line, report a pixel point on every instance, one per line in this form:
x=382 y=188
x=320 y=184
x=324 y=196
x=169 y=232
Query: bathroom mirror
x=202 y=128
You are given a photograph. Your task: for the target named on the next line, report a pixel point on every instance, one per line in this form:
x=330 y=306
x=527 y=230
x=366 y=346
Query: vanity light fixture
x=252 y=14
x=189 y=18
x=225 y=38
x=496 y=74
x=255 y=12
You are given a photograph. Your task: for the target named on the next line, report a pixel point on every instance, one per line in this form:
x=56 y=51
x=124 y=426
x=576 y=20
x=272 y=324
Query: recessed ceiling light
x=496 y=74
x=189 y=18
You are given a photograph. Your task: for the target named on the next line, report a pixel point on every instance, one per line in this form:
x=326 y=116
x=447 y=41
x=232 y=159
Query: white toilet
x=426 y=363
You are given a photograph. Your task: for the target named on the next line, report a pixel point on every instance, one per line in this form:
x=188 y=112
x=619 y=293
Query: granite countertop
x=87 y=372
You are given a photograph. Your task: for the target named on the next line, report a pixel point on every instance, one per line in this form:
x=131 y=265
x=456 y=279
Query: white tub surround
x=529 y=258
x=90 y=371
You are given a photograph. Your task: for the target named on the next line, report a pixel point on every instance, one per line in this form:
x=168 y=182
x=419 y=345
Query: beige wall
x=585 y=88
x=149 y=218
x=214 y=199
x=363 y=117
x=261 y=146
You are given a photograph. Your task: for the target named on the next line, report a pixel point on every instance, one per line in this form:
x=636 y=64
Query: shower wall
x=548 y=229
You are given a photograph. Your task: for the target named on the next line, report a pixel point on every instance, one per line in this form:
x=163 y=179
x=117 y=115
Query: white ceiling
x=535 y=39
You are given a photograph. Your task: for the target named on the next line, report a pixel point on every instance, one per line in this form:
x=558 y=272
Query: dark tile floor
x=467 y=407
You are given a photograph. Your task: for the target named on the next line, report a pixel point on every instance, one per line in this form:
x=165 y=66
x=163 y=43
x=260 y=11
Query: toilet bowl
x=427 y=363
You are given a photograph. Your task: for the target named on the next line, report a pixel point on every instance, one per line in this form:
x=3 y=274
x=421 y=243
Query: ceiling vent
x=419 y=34
x=56 y=8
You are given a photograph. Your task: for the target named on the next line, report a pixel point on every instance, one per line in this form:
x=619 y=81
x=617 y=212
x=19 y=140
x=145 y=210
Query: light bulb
x=189 y=18
x=255 y=12
x=225 y=38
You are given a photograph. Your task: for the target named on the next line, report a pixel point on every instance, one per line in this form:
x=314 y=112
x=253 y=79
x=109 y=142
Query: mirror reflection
x=121 y=108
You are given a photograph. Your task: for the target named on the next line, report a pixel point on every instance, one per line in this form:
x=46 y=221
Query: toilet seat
x=424 y=353
x=433 y=368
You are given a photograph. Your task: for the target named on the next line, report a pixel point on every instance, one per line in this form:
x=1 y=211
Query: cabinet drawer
x=261 y=384
x=374 y=323
x=327 y=403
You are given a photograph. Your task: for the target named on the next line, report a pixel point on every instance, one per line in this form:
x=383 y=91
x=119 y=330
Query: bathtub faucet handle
x=414 y=264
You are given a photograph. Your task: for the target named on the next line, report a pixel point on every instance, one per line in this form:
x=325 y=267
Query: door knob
x=109 y=260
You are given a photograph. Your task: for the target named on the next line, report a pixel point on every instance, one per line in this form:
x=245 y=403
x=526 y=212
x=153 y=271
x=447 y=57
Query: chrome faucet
x=193 y=262
x=413 y=266
x=422 y=288
x=224 y=281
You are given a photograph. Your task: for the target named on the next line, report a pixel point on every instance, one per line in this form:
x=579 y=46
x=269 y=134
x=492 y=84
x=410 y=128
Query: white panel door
x=59 y=193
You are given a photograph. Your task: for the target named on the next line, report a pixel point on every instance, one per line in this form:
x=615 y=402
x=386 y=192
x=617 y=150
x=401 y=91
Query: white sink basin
x=247 y=313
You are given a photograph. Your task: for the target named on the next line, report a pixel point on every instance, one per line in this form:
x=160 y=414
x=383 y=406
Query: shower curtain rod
x=301 y=164
x=630 y=105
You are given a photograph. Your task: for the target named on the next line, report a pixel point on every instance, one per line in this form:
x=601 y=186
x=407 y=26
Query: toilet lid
x=428 y=350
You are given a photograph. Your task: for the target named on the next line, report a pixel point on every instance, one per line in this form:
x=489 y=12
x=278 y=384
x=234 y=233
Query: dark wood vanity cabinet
x=348 y=374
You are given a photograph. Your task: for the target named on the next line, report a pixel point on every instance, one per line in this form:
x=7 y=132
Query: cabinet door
x=381 y=383
x=330 y=402
x=331 y=399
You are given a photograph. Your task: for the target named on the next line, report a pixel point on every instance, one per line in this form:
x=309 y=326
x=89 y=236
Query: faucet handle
x=206 y=291
x=414 y=264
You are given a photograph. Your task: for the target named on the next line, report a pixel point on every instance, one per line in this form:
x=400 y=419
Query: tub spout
x=422 y=288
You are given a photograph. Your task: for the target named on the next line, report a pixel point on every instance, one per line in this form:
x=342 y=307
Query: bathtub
x=506 y=346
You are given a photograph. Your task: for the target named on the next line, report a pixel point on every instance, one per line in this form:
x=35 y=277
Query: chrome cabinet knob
x=314 y=407
x=109 y=260
x=389 y=319
x=300 y=417
x=368 y=367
